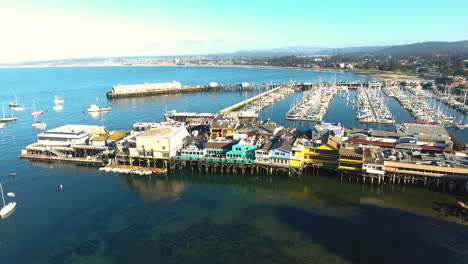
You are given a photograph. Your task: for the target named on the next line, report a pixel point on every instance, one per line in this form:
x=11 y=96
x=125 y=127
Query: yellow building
x=222 y=128
x=297 y=156
x=324 y=153
x=351 y=158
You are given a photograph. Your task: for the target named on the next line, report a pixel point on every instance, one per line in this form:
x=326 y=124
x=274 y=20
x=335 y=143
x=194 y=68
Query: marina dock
x=313 y=105
x=258 y=102
x=371 y=107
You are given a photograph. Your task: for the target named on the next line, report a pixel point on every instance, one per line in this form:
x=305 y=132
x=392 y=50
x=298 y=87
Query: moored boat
x=39 y=125
x=95 y=108
x=57 y=100
x=7 y=209
x=7 y=119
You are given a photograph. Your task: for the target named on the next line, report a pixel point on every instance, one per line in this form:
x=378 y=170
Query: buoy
x=61 y=187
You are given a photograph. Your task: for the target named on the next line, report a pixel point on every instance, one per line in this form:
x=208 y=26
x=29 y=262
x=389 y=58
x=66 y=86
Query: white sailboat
x=36 y=113
x=15 y=106
x=7 y=119
x=7 y=209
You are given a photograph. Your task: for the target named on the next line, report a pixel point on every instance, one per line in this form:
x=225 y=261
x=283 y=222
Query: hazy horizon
x=56 y=30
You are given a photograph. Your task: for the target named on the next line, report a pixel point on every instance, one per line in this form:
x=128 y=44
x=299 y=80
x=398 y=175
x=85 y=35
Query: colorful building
x=242 y=150
x=351 y=158
x=280 y=151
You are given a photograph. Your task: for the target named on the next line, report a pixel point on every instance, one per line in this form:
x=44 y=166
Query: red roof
x=369 y=142
x=432 y=148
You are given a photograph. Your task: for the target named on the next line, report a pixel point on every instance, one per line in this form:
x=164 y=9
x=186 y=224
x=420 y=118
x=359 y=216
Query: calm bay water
x=197 y=218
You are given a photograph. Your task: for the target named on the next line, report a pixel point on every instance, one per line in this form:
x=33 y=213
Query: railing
x=212 y=159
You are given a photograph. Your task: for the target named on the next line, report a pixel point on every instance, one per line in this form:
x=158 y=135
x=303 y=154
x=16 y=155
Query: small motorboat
x=10 y=194
x=39 y=125
x=95 y=108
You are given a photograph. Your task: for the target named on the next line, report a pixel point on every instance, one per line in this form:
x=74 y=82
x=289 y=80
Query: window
x=165 y=155
x=163 y=147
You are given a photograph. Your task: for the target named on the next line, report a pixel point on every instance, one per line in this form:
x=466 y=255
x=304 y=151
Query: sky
x=57 y=29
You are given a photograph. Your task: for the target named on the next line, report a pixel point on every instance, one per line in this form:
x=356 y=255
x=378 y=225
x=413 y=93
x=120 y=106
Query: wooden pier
x=456 y=182
x=234 y=87
x=242 y=104
x=191 y=89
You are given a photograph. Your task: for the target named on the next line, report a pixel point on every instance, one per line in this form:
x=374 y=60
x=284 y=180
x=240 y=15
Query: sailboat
x=57 y=100
x=36 y=113
x=7 y=119
x=7 y=209
x=15 y=106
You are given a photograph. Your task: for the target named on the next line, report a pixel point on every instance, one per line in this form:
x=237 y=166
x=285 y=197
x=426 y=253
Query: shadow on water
x=378 y=236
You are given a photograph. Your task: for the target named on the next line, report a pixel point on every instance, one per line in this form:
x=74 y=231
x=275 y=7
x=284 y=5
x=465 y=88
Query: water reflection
x=154 y=188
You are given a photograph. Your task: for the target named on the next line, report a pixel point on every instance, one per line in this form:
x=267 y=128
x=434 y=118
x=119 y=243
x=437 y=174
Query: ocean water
x=190 y=217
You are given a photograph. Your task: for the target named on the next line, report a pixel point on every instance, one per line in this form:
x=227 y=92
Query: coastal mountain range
x=416 y=49
x=431 y=48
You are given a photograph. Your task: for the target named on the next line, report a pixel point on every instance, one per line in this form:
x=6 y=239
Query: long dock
x=233 y=87
x=244 y=103
x=191 y=89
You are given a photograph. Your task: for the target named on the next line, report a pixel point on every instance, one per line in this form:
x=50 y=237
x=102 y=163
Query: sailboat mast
x=3 y=197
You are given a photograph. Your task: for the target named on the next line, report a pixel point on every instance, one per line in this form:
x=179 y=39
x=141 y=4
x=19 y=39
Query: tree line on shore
x=437 y=65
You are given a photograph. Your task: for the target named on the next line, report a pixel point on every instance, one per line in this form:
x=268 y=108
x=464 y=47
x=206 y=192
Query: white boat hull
x=7 y=210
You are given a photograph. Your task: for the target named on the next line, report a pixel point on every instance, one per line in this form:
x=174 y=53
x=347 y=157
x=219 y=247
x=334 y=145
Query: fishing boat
x=95 y=108
x=15 y=106
x=7 y=119
x=57 y=100
x=7 y=209
x=35 y=112
x=39 y=125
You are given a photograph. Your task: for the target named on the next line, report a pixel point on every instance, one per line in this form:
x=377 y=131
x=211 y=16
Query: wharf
x=233 y=87
x=191 y=89
x=254 y=99
x=59 y=159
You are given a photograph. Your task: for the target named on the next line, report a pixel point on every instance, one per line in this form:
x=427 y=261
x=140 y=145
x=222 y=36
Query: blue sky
x=52 y=29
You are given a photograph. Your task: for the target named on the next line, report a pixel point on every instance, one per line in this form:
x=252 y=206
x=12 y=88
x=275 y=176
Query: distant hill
x=301 y=51
x=427 y=49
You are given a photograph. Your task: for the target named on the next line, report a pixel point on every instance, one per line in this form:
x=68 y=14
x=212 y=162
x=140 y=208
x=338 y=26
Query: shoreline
x=378 y=75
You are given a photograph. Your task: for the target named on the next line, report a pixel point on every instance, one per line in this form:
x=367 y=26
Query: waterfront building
x=424 y=137
x=263 y=129
x=185 y=117
x=222 y=128
x=262 y=154
x=160 y=142
x=323 y=128
x=280 y=151
x=193 y=151
x=323 y=152
x=351 y=158
x=244 y=149
x=218 y=147
x=373 y=164
x=132 y=88
x=69 y=135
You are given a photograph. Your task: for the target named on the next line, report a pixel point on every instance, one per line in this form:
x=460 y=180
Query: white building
x=131 y=88
x=160 y=142
x=68 y=135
